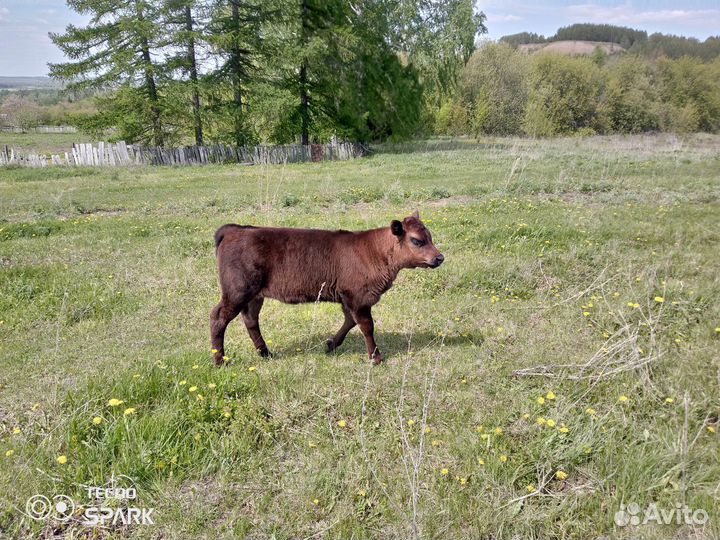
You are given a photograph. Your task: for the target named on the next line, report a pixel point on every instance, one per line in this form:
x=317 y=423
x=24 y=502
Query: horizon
x=24 y=26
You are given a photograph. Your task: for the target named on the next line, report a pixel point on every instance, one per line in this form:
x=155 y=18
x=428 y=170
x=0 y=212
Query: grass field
x=43 y=143
x=562 y=362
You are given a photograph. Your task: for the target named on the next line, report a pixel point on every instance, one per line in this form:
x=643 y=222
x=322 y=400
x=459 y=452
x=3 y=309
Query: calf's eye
x=416 y=242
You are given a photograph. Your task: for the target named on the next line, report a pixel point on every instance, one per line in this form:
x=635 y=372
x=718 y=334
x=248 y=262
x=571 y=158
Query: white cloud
x=492 y=18
x=625 y=14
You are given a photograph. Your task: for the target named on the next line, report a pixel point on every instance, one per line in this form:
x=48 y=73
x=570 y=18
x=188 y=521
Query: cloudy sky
x=25 y=48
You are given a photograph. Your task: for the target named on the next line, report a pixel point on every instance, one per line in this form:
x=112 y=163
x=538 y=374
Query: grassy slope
x=108 y=276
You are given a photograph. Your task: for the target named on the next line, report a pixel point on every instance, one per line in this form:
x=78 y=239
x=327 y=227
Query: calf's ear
x=396 y=228
x=416 y=214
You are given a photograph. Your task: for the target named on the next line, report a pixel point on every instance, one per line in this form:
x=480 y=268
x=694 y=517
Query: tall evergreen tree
x=115 y=50
x=183 y=36
x=235 y=36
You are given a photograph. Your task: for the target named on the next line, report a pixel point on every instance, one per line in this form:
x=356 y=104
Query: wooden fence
x=120 y=154
x=39 y=129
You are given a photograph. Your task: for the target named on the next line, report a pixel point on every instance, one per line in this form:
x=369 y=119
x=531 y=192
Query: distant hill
x=28 y=83
x=572 y=48
x=627 y=39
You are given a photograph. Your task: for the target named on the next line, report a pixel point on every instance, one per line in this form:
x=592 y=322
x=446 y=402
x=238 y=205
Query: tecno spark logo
x=109 y=505
x=680 y=514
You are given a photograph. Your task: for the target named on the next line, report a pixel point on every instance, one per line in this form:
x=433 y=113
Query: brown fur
x=353 y=269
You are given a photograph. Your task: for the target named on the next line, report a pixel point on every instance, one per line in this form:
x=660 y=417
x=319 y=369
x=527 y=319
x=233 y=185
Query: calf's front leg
x=363 y=318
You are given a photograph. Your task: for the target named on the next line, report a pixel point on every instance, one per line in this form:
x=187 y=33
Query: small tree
x=563 y=96
x=494 y=83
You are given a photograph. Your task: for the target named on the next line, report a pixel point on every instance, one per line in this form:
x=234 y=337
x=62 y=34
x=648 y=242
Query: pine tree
x=184 y=34
x=115 y=50
x=235 y=37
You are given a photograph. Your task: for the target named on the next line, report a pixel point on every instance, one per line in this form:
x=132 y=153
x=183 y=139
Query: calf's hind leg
x=251 y=317
x=337 y=340
x=220 y=317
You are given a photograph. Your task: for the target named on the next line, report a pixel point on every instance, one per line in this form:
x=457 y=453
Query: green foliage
x=630 y=100
x=623 y=35
x=693 y=89
x=494 y=82
x=564 y=96
x=523 y=38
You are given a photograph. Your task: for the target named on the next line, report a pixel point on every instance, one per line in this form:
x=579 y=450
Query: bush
x=452 y=119
x=494 y=81
x=564 y=95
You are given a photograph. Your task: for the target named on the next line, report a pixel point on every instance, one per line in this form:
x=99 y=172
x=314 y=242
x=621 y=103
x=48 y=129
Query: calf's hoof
x=264 y=353
x=219 y=360
x=376 y=359
x=330 y=345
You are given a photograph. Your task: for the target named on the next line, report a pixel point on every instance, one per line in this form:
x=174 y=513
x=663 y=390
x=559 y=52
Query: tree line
x=632 y=40
x=280 y=71
x=504 y=91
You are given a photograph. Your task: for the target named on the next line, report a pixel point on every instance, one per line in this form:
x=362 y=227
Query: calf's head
x=415 y=247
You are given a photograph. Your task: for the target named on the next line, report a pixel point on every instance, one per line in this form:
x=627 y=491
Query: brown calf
x=307 y=265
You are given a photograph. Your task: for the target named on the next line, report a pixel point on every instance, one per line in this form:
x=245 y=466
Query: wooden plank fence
x=120 y=154
x=39 y=129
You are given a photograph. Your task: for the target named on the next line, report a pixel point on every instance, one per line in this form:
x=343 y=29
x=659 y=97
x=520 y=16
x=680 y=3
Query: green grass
x=42 y=143
x=108 y=277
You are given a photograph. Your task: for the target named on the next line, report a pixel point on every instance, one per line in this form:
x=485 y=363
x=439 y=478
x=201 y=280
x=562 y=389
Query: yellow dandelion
x=214 y=351
x=16 y=431
x=561 y=475
x=503 y=458
x=97 y=420
x=183 y=382
x=550 y=395
x=361 y=492
x=717 y=329
x=211 y=385
x=526 y=416
x=711 y=429
x=540 y=400
x=551 y=422
x=588 y=450
x=252 y=368
x=498 y=431
x=479 y=429
x=436 y=442
x=659 y=299
x=316 y=501
x=427 y=429
x=227 y=414
x=62 y=460
x=485 y=436
x=540 y=420
x=342 y=423
x=115 y=402
x=9 y=453
x=444 y=471
x=195 y=366
x=564 y=429
x=192 y=389
x=623 y=399
x=129 y=411
x=463 y=481
x=591 y=411
x=530 y=488
x=411 y=422
x=481 y=461
x=669 y=400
